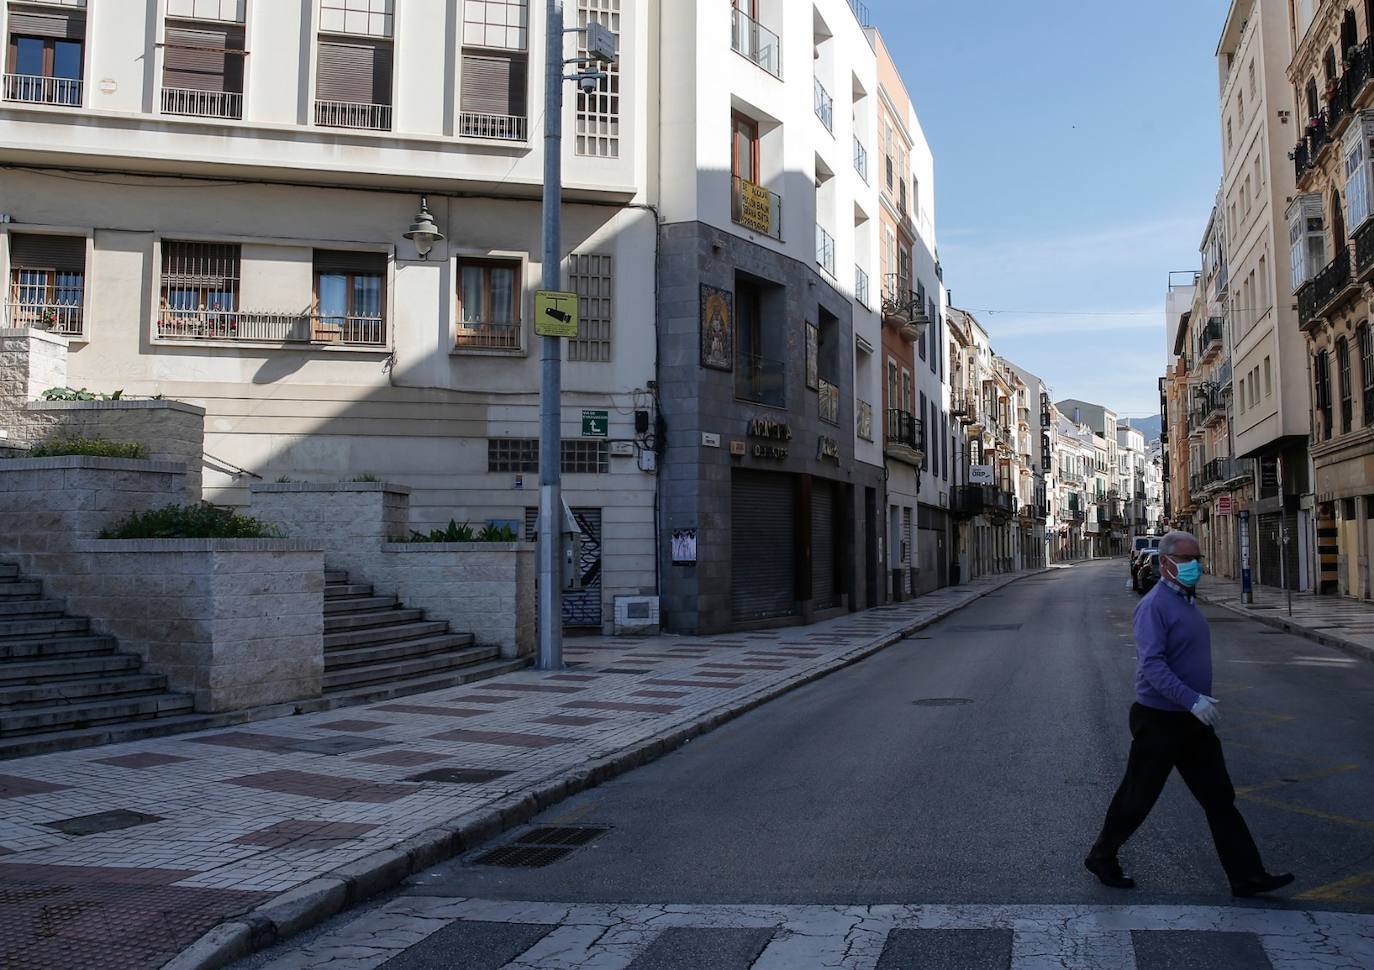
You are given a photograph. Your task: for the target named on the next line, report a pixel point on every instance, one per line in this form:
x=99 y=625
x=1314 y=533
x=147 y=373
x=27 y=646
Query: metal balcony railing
x=1364 y=249
x=970 y=500
x=903 y=307
x=202 y=104
x=353 y=114
x=488 y=335
x=472 y=124
x=905 y=430
x=825 y=251
x=1331 y=281
x=824 y=105
x=756 y=42
x=861 y=286
x=755 y=207
x=258 y=327
x=861 y=159
x=1210 y=337
x=43 y=90
x=761 y=380
x=61 y=318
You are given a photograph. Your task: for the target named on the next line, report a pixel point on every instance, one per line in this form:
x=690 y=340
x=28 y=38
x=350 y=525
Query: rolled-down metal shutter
x=494 y=84
x=761 y=546
x=349 y=261
x=1268 y=536
x=822 y=543
x=204 y=59
x=359 y=73
x=65 y=254
x=33 y=23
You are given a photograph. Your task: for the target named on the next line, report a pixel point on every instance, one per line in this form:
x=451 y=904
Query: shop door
x=822 y=544
x=581 y=609
x=761 y=546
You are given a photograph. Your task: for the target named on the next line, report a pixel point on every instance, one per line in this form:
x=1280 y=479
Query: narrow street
x=952 y=783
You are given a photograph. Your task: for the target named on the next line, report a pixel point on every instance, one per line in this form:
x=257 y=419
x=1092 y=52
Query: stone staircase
x=58 y=676
x=374 y=647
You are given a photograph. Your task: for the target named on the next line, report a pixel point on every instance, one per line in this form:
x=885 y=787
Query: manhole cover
x=459 y=776
x=101 y=822
x=942 y=701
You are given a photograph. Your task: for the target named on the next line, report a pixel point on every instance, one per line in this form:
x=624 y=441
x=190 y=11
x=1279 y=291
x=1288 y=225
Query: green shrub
x=92 y=447
x=190 y=522
x=69 y=394
x=366 y=477
x=462 y=533
x=496 y=533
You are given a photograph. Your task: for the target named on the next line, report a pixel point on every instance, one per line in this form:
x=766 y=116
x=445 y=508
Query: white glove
x=1205 y=710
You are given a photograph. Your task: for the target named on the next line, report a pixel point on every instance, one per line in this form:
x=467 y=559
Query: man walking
x=1172 y=727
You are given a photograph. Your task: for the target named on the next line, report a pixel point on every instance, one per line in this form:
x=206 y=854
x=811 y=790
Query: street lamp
x=423 y=232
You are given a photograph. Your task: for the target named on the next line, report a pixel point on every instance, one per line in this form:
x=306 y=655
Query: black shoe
x=1108 y=872
x=1266 y=883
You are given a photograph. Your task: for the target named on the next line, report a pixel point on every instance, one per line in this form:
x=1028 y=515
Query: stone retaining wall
x=482 y=588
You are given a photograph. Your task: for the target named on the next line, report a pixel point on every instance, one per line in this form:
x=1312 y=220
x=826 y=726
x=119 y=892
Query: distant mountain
x=1149 y=427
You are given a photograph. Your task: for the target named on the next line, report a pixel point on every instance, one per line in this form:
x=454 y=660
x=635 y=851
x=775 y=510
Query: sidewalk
x=1335 y=621
x=142 y=851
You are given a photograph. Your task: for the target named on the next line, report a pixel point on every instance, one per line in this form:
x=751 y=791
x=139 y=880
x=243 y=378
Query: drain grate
x=540 y=847
x=101 y=822
x=942 y=701
x=459 y=776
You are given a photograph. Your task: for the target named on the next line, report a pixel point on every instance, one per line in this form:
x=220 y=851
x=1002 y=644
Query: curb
x=318 y=899
x=1357 y=650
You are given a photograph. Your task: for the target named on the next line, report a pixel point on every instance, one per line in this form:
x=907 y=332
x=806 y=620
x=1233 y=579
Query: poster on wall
x=813 y=355
x=980 y=475
x=717 y=328
x=684 y=547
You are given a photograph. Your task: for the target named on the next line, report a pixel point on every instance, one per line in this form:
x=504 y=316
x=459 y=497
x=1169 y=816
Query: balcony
x=493 y=127
x=824 y=105
x=753 y=40
x=828 y=395
x=1331 y=285
x=60 y=318
x=1218 y=473
x=903 y=307
x=1364 y=251
x=905 y=437
x=825 y=251
x=202 y=104
x=35 y=89
x=1072 y=478
x=1214 y=409
x=861 y=286
x=968 y=501
x=861 y=159
x=1301 y=161
x=1210 y=340
x=760 y=380
x=276 y=328
x=478 y=335
x=756 y=208
x=353 y=114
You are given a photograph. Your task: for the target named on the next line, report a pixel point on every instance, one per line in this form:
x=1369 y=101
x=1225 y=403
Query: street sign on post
x=1247 y=592
x=555 y=313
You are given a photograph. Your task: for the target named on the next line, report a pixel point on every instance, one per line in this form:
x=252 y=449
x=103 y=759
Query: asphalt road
x=851 y=791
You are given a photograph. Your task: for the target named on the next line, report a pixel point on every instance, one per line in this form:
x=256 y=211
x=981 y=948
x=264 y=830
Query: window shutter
x=65 y=26
x=357 y=72
x=64 y=253
x=204 y=59
x=494 y=84
x=214 y=266
x=349 y=261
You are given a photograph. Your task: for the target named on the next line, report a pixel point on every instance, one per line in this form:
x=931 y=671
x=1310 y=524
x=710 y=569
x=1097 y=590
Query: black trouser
x=1161 y=742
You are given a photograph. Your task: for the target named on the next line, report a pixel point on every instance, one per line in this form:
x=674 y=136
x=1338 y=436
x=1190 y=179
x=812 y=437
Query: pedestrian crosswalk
x=427 y=933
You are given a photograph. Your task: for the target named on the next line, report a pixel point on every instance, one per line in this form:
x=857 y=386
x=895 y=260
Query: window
x=493 y=103
x=46 y=56
x=1347 y=394
x=893 y=401
x=1322 y=381
x=908 y=403
x=925 y=452
x=590 y=277
x=350 y=290
x=1230 y=141
x=744 y=148
x=489 y=304
x=944 y=446
x=921 y=302
x=353 y=84
x=202 y=70
x=1359 y=175
x=1263 y=281
x=598 y=111
x=1240 y=106
x=505 y=23
x=578 y=457
x=1366 y=348
x=366 y=17
x=1306 y=238
x=200 y=295
x=47 y=282
x=1259 y=176
x=1268 y=379
x=1251 y=71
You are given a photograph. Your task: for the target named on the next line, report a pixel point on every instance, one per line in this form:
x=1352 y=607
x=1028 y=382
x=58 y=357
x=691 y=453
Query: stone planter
x=482 y=588
x=235 y=622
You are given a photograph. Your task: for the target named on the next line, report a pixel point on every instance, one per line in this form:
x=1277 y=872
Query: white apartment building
x=210 y=198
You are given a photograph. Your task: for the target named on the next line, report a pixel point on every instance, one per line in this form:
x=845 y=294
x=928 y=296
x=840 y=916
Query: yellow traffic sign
x=555 y=313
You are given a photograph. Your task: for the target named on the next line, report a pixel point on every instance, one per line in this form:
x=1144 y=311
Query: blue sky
x=1076 y=163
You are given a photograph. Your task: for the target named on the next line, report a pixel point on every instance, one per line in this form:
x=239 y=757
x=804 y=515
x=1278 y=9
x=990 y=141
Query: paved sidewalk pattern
x=416 y=932
x=135 y=850
x=1336 y=621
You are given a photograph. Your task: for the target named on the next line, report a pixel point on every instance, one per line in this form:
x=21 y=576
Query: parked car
x=1148 y=573
x=1141 y=549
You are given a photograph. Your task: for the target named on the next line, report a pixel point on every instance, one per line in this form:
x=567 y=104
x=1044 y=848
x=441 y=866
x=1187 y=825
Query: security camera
x=588 y=82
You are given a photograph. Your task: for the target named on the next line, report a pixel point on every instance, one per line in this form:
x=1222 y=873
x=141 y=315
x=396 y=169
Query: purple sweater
x=1173 y=649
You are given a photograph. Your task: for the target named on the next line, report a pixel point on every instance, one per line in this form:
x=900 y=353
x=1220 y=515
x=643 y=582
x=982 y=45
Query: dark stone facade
x=695 y=479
